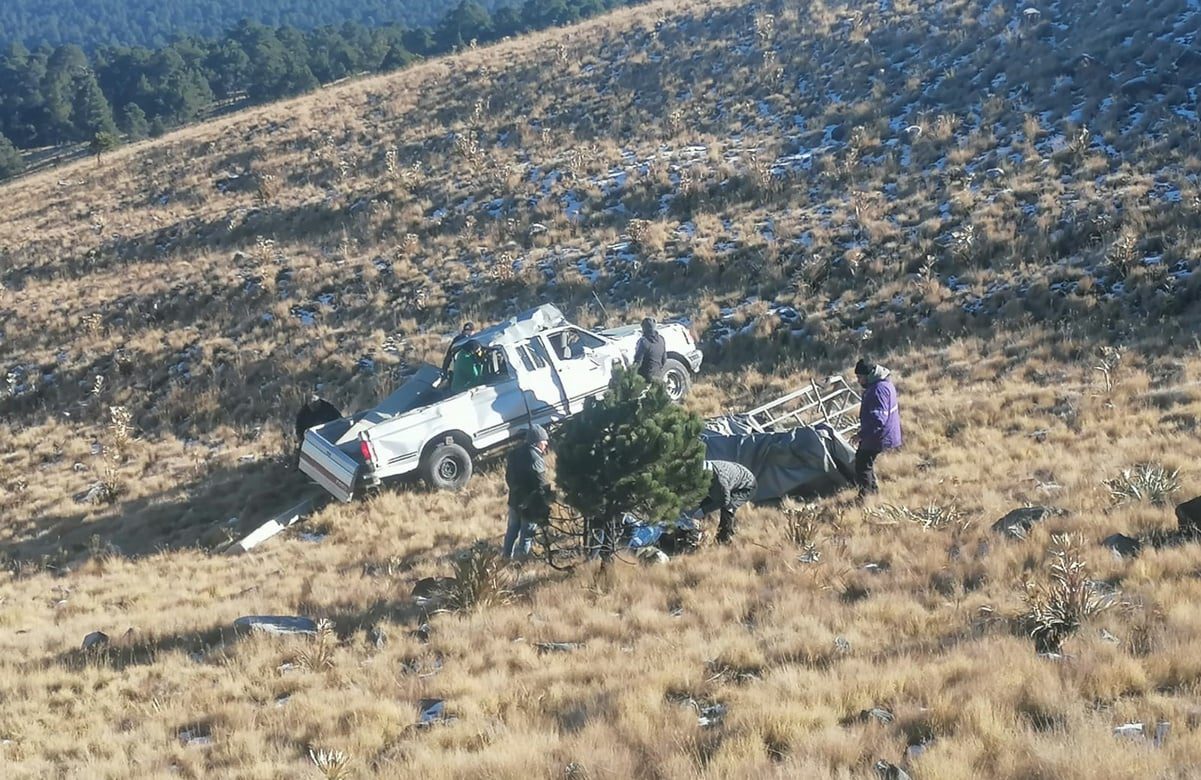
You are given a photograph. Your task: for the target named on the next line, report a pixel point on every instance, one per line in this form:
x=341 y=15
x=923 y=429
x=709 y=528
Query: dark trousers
x=865 y=470
x=726 y=526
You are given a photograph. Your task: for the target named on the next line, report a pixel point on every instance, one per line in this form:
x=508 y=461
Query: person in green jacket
x=469 y=367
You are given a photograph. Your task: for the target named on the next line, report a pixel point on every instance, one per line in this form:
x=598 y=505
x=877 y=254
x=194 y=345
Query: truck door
x=583 y=364
x=545 y=400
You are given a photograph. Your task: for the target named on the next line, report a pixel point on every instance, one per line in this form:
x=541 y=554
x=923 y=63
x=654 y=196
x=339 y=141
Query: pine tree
x=90 y=112
x=134 y=122
x=11 y=162
x=633 y=451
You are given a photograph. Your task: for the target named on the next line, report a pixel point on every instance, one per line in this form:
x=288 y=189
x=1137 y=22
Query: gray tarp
x=802 y=460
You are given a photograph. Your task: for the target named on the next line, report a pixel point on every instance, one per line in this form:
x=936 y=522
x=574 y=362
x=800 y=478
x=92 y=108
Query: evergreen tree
x=64 y=65
x=103 y=142
x=468 y=20
x=11 y=162
x=91 y=114
x=632 y=451
x=134 y=122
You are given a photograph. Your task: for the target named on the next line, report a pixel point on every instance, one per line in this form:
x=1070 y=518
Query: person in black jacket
x=651 y=352
x=733 y=485
x=530 y=492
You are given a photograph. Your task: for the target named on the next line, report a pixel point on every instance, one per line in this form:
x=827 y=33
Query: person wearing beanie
x=530 y=492
x=879 y=422
x=651 y=352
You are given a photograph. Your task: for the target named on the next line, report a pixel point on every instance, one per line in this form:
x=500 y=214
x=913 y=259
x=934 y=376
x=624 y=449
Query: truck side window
x=526 y=359
x=571 y=343
x=538 y=352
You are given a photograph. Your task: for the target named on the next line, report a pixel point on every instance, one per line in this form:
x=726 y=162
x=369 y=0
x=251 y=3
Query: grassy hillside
x=998 y=204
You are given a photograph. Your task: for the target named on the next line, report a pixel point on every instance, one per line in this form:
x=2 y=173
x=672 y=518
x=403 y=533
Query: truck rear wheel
x=676 y=379
x=447 y=467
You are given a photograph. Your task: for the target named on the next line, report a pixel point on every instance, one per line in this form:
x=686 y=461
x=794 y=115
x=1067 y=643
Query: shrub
x=633 y=451
x=480 y=579
x=1059 y=605
x=1145 y=482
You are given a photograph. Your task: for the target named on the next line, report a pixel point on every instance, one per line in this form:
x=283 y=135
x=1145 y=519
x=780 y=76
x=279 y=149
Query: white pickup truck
x=543 y=370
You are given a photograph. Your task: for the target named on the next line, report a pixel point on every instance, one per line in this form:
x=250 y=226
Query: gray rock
x=377 y=637
x=1188 y=516
x=95 y=640
x=1129 y=730
x=878 y=714
x=432 y=712
x=276 y=624
x=557 y=647
x=195 y=738
x=1122 y=546
x=1017 y=524
x=711 y=715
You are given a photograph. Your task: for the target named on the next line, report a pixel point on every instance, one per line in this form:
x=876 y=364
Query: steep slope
x=985 y=195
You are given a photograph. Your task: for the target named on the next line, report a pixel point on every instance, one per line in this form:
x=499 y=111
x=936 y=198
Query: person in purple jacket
x=879 y=423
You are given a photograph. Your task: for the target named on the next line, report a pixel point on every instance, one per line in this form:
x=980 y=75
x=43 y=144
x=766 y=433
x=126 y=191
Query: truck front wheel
x=446 y=467
x=676 y=379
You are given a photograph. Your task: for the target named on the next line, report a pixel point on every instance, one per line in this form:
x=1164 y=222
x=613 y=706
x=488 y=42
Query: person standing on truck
x=879 y=423
x=470 y=365
x=530 y=492
x=457 y=343
x=732 y=486
x=651 y=352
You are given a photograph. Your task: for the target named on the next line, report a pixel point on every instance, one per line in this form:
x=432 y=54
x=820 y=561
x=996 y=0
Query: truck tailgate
x=328 y=466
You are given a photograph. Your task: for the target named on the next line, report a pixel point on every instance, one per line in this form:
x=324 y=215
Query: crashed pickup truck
x=541 y=369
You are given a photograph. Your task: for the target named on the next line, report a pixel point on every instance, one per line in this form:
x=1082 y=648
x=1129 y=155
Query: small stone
x=195 y=738
x=276 y=624
x=431 y=711
x=711 y=715
x=916 y=750
x=1129 y=730
x=1122 y=546
x=557 y=647
x=95 y=640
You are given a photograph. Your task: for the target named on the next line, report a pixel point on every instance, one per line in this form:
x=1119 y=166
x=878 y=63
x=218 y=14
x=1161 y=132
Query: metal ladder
x=834 y=402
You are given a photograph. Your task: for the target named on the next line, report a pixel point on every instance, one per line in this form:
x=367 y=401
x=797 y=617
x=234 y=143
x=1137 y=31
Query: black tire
x=447 y=466
x=677 y=379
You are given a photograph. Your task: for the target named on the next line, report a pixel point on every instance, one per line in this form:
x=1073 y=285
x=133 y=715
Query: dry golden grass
x=159 y=332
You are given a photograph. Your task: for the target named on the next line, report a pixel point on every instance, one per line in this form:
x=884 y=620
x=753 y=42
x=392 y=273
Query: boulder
x=95 y=640
x=1017 y=524
x=1188 y=516
x=276 y=624
x=431 y=587
x=1122 y=546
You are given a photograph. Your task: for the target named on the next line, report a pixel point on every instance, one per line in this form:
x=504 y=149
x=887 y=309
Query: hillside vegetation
x=157 y=22
x=1001 y=205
